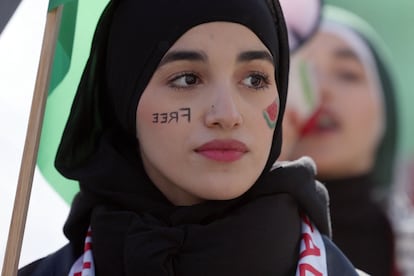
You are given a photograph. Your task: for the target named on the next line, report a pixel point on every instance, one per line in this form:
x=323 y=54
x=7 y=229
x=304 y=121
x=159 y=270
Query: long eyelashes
x=186 y=80
x=257 y=80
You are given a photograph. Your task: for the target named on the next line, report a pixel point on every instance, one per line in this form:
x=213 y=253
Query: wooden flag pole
x=31 y=146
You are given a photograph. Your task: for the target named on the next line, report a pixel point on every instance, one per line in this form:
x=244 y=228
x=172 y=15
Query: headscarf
x=135 y=229
x=360 y=224
x=375 y=56
x=303 y=17
x=130 y=40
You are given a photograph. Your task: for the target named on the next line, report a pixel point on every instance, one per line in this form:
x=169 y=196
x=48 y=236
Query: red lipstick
x=228 y=150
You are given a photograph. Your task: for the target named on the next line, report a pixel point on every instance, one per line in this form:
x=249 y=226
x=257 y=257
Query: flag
x=78 y=24
x=19 y=55
x=20 y=44
x=64 y=45
x=7 y=9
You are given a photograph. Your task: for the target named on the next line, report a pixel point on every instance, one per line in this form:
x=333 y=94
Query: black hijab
x=129 y=42
x=135 y=229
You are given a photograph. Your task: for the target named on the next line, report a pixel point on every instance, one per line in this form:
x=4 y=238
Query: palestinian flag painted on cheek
x=270 y=115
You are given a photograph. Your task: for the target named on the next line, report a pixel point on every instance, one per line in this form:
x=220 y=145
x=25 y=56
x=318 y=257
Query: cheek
x=160 y=116
x=156 y=126
x=143 y=116
x=374 y=124
x=365 y=121
x=270 y=114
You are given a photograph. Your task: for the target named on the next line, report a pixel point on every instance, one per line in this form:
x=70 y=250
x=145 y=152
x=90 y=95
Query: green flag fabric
x=79 y=19
x=64 y=44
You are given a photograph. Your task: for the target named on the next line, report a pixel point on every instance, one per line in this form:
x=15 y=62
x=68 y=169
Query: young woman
x=172 y=136
x=352 y=134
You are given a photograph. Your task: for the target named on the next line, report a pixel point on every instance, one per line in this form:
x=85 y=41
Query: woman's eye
x=184 y=80
x=348 y=76
x=256 y=81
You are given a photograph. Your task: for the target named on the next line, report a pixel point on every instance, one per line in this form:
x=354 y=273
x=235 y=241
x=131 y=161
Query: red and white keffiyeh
x=84 y=265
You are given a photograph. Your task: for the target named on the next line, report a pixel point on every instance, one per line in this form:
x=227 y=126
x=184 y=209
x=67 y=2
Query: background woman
x=351 y=134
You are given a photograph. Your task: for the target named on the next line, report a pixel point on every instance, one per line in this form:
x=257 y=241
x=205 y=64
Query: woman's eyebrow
x=253 y=55
x=183 y=55
x=347 y=54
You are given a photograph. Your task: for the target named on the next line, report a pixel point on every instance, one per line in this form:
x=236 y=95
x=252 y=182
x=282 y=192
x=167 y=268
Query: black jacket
x=60 y=262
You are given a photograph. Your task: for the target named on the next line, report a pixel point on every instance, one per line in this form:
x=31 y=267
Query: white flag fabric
x=20 y=44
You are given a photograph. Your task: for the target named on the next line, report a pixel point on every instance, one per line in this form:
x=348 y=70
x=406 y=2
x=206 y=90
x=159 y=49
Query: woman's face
x=205 y=121
x=348 y=130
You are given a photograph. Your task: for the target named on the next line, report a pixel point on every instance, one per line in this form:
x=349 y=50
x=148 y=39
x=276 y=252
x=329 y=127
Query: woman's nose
x=224 y=111
x=324 y=86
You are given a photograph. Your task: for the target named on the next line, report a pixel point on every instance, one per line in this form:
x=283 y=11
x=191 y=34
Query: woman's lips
x=311 y=123
x=321 y=121
x=223 y=150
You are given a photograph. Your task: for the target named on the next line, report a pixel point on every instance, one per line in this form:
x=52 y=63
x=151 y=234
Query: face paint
x=307 y=84
x=173 y=116
x=270 y=114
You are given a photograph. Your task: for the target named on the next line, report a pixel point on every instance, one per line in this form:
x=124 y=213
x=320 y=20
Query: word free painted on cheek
x=173 y=116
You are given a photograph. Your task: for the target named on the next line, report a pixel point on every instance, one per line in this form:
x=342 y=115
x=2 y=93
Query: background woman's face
x=205 y=122
x=350 y=125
